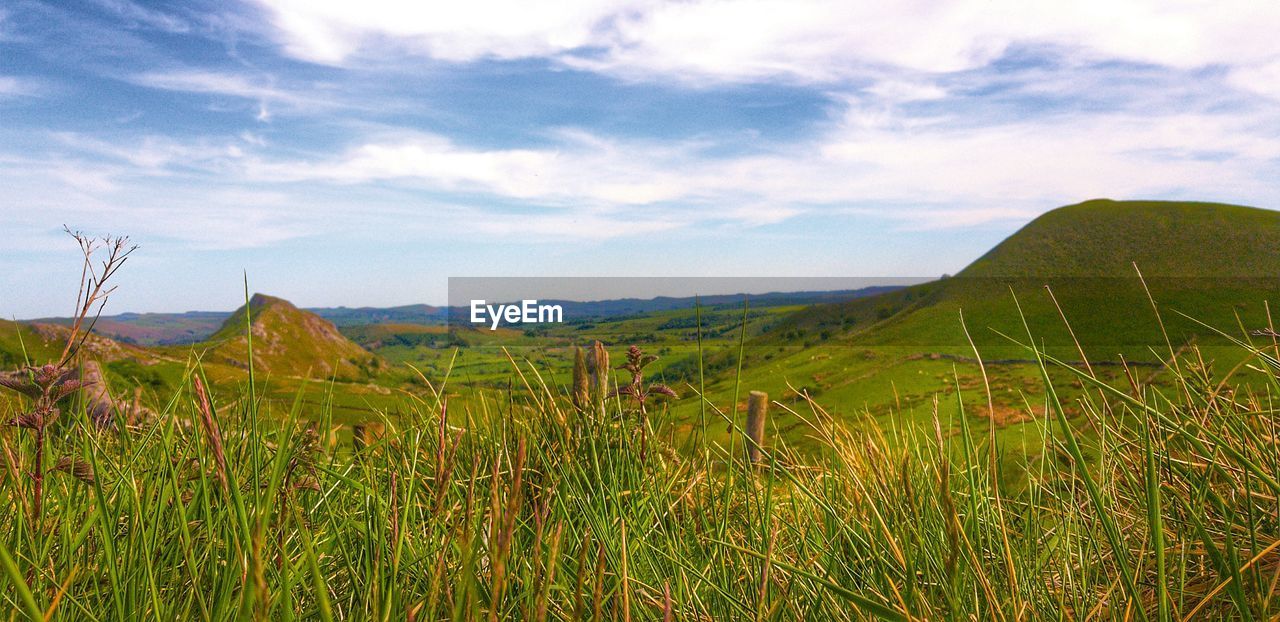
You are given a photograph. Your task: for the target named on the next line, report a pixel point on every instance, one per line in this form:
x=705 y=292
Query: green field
x=1043 y=435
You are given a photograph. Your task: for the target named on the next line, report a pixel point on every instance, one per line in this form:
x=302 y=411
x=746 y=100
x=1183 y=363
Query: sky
x=361 y=153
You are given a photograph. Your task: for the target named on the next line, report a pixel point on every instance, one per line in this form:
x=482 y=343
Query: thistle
x=640 y=393
x=46 y=386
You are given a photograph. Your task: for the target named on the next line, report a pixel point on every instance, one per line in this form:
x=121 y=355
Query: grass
x=1144 y=502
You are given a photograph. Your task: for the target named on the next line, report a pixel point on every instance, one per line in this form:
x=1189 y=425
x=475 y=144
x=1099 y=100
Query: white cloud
x=103 y=198
x=587 y=226
x=145 y=16
x=600 y=173
x=215 y=83
x=806 y=40
x=152 y=154
x=994 y=171
x=265 y=94
x=12 y=86
x=330 y=31
x=1263 y=79
x=900 y=91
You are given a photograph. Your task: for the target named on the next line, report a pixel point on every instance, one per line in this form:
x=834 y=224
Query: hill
x=42 y=343
x=1104 y=238
x=158 y=329
x=289 y=341
x=622 y=308
x=889 y=355
x=153 y=329
x=21 y=342
x=195 y=326
x=1209 y=261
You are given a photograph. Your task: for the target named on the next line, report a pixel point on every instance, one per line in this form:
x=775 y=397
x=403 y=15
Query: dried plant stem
x=211 y=432
x=37 y=476
x=581 y=381
x=93 y=290
x=757 y=412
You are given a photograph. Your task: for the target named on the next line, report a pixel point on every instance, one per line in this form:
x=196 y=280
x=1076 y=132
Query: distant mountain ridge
x=195 y=326
x=575 y=310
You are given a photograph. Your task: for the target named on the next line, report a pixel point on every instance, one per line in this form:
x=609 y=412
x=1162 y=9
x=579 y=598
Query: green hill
x=288 y=341
x=889 y=355
x=1210 y=261
x=1168 y=239
x=20 y=343
x=42 y=343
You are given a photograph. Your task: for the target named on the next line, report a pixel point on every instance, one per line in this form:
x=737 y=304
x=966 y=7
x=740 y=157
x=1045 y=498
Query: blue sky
x=362 y=153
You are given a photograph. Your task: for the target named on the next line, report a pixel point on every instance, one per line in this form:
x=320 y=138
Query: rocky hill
x=288 y=341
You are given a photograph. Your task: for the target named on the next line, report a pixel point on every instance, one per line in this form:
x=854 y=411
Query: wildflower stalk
x=640 y=393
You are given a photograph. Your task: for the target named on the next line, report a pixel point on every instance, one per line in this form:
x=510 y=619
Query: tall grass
x=1151 y=504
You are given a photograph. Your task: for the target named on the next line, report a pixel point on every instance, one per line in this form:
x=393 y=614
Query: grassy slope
x=17 y=339
x=1206 y=260
x=290 y=342
x=891 y=353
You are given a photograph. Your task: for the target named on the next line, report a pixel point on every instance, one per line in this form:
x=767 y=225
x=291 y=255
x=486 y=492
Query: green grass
x=20 y=343
x=1151 y=503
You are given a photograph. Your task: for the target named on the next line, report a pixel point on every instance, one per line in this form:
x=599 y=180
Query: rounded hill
x=1164 y=238
x=1213 y=262
x=290 y=341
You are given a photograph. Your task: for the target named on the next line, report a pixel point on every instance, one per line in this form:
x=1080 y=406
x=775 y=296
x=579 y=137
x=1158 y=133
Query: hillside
x=343 y=317
x=288 y=341
x=889 y=355
x=20 y=342
x=1205 y=260
x=42 y=343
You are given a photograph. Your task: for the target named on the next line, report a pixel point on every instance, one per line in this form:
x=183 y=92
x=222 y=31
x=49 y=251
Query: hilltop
x=289 y=341
x=1104 y=238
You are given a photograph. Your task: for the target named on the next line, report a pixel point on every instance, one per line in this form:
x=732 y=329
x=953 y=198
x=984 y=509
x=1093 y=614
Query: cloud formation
x=806 y=40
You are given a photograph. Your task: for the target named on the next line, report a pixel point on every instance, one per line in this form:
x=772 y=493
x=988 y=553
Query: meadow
x=228 y=507
x=972 y=448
